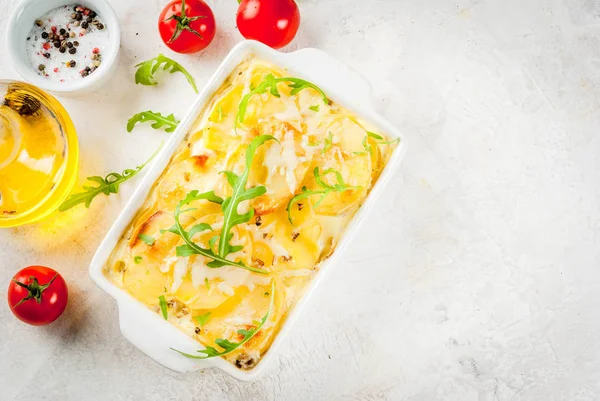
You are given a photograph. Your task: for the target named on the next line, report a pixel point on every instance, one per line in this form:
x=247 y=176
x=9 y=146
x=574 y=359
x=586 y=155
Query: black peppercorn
x=69 y=45
x=72 y=50
x=84 y=24
x=47 y=55
x=100 y=26
x=75 y=43
x=87 y=68
x=92 y=14
x=78 y=17
x=62 y=31
x=57 y=43
x=62 y=49
x=89 y=19
x=41 y=67
x=72 y=63
x=44 y=35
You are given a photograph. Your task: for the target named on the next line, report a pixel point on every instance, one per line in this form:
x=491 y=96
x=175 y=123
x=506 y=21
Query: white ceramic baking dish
x=147 y=330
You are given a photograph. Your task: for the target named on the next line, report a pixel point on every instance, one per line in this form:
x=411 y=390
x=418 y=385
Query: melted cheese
x=291 y=253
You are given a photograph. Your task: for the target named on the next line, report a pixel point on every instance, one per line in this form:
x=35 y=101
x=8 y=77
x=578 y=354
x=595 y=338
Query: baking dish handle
x=155 y=338
x=319 y=66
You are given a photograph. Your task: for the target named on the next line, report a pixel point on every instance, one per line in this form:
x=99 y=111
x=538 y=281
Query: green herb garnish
x=163 y=306
x=207 y=283
x=328 y=143
x=145 y=73
x=231 y=217
x=339 y=186
x=374 y=135
x=159 y=121
x=190 y=247
x=270 y=83
x=228 y=346
x=137 y=260
x=314 y=108
x=148 y=239
x=202 y=319
x=108 y=185
x=379 y=141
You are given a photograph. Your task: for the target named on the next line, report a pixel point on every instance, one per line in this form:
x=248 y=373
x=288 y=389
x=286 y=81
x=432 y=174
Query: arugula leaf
x=270 y=84
x=190 y=247
x=231 y=217
x=108 y=185
x=374 y=135
x=148 y=239
x=137 y=260
x=203 y=319
x=328 y=143
x=366 y=145
x=314 y=108
x=220 y=110
x=160 y=121
x=379 y=141
x=163 y=306
x=339 y=186
x=145 y=73
x=227 y=345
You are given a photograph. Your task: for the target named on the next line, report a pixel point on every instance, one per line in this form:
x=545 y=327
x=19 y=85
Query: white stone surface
x=478 y=278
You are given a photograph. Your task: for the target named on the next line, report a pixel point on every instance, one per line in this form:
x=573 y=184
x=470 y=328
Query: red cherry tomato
x=187 y=26
x=273 y=22
x=37 y=295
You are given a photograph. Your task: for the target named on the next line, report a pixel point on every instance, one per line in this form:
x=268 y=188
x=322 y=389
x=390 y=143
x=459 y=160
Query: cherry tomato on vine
x=37 y=295
x=272 y=22
x=187 y=26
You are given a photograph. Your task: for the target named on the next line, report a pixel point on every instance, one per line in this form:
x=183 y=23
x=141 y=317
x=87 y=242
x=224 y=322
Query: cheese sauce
x=310 y=134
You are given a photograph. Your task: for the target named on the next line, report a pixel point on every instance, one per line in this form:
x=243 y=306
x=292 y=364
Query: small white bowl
x=20 y=24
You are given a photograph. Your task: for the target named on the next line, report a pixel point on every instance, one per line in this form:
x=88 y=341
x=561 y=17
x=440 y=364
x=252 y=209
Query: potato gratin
x=251 y=204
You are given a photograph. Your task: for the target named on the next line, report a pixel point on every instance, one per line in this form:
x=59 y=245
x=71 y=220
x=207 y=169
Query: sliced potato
x=145 y=281
x=280 y=167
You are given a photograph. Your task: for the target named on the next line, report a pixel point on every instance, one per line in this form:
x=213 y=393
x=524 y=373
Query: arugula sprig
x=228 y=346
x=339 y=186
x=107 y=185
x=162 y=302
x=231 y=216
x=169 y=122
x=378 y=141
x=270 y=84
x=190 y=247
x=146 y=69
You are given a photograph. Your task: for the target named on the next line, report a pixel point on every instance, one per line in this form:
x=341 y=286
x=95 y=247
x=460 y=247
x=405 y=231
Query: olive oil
x=38 y=154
